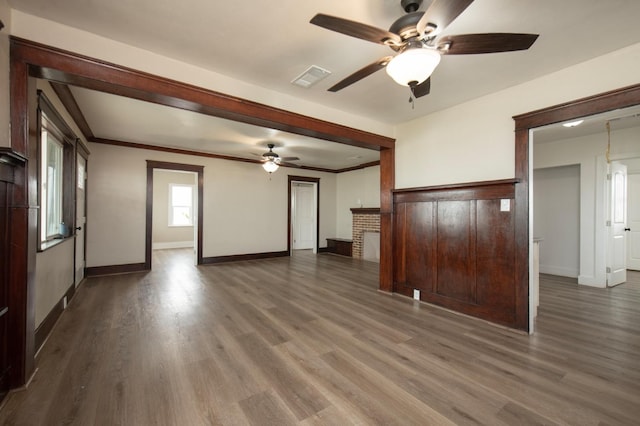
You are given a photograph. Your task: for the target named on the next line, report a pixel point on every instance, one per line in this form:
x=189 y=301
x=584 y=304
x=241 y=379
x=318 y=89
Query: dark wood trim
x=358 y=167
x=324 y=250
x=45 y=327
x=607 y=101
x=70 y=104
x=387 y=184
x=480 y=192
x=365 y=210
x=70 y=68
x=596 y=104
x=457 y=186
x=164 y=165
x=241 y=257
x=8 y=161
x=12 y=158
x=23 y=225
x=290 y=180
x=96 y=271
x=200 y=154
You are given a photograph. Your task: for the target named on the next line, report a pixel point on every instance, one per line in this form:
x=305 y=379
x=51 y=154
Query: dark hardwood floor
x=309 y=340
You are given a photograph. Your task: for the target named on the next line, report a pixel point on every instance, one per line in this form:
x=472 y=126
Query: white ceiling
x=269 y=43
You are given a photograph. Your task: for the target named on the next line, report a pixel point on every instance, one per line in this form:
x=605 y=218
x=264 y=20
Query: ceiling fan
x=271 y=161
x=415 y=38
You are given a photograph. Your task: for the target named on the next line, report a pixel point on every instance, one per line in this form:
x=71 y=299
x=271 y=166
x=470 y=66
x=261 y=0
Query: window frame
x=48 y=118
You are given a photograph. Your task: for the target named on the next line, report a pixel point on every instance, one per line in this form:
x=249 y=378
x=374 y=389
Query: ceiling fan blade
x=356 y=29
x=466 y=44
x=361 y=73
x=289 y=158
x=422 y=89
x=441 y=13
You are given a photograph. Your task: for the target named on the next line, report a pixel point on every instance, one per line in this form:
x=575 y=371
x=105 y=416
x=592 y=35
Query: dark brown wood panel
x=420 y=246
x=456 y=246
x=496 y=280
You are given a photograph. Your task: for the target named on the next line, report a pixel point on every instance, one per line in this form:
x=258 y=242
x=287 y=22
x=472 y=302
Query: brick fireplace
x=364 y=219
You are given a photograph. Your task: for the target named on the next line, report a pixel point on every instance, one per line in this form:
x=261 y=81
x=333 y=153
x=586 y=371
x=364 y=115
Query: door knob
x=79 y=228
x=627 y=229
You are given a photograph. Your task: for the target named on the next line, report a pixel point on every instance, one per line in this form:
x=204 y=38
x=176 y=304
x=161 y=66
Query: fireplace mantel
x=365 y=210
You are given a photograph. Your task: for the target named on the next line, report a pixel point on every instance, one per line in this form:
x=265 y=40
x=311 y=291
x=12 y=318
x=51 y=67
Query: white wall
x=163 y=235
x=245 y=209
x=75 y=40
x=358 y=188
x=474 y=141
x=54 y=276
x=588 y=152
x=5 y=129
x=556 y=219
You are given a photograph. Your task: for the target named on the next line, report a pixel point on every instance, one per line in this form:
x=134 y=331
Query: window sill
x=44 y=246
x=180 y=226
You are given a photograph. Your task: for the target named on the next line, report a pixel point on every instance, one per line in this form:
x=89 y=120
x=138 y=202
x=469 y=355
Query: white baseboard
x=172 y=245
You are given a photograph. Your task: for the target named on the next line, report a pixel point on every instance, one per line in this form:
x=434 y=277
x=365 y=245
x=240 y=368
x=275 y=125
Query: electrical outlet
x=416 y=294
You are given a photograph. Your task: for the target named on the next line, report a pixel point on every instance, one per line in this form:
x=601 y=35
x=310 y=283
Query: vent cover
x=310 y=76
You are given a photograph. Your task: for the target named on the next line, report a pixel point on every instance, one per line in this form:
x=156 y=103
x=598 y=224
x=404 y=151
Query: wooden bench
x=340 y=246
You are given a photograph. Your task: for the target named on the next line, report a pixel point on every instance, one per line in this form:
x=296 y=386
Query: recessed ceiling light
x=573 y=123
x=310 y=76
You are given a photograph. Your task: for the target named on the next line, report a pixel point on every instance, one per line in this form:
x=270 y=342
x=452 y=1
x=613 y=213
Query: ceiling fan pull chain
x=412 y=99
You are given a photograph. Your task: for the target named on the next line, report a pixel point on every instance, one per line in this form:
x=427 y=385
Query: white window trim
x=171 y=206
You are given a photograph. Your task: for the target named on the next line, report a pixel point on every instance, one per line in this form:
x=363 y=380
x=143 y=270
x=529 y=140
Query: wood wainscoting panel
x=455 y=250
x=456 y=245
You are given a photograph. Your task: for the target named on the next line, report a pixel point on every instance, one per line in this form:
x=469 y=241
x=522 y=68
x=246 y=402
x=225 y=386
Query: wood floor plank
x=309 y=340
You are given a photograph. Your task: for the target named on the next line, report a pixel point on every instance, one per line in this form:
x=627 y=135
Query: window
x=180 y=205
x=51 y=176
x=57 y=172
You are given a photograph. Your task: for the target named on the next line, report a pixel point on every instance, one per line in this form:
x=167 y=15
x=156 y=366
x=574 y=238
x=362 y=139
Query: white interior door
x=304 y=215
x=616 y=254
x=633 y=222
x=81 y=219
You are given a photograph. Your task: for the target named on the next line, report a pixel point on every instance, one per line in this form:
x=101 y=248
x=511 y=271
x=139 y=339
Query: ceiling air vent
x=311 y=76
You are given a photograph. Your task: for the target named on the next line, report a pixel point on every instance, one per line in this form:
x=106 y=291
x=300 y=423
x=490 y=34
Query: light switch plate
x=505 y=205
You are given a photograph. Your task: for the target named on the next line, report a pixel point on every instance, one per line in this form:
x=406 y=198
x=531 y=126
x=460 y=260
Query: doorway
x=174 y=213
x=590 y=151
x=303 y=226
x=197 y=209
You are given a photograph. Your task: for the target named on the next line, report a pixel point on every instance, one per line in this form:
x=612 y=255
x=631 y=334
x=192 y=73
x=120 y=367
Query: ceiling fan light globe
x=413 y=65
x=270 y=166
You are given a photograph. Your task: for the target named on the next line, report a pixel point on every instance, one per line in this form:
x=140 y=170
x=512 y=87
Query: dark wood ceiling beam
x=65 y=67
x=70 y=104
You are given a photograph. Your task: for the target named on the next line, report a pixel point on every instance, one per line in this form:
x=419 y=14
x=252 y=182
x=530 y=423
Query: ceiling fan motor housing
x=410 y=5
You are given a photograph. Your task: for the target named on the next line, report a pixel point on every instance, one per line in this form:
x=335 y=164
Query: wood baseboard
x=45 y=327
x=240 y=257
x=95 y=271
